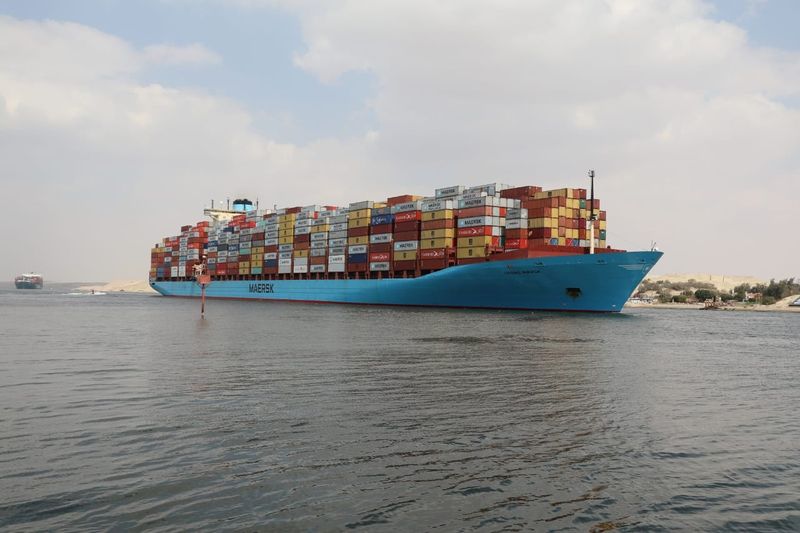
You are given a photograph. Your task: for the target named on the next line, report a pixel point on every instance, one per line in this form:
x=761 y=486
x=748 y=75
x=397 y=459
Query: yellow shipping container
x=288 y=216
x=602 y=224
x=442 y=214
x=244 y=271
x=468 y=242
x=286 y=225
x=569 y=193
x=244 y=264
x=364 y=239
x=286 y=240
x=472 y=251
x=320 y=228
x=360 y=213
x=553 y=212
x=358 y=222
x=562 y=241
x=257 y=250
x=285 y=232
x=562 y=211
x=427 y=244
x=538 y=222
x=300 y=253
x=438 y=233
x=405 y=255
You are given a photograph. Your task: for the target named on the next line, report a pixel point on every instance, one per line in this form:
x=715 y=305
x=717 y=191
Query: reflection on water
x=131 y=411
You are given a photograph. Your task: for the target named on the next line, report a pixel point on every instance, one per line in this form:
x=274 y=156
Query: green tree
x=705 y=294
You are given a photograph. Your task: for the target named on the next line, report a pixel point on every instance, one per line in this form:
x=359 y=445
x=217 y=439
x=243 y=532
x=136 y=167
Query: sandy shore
x=698 y=307
x=136 y=285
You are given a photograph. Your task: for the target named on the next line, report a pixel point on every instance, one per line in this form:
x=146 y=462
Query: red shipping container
x=482 y=211
x=258 y=236
x=407 y=216
x=433 y=264
x=402 y=199
x=582 y=234
x=435 y=253
x=319 y=260
x=271 y=248
x=516 y=244
x=357 y=267
x=602 y=215
x=516 y=233
x=446 y=223
x=471 y=260
x=404 y=265
x=358 y=232
x=406 y=236
x=292 y=210
x=381 y=247
x=474 y=231
x=302 y=238
x=520 y=193
x=380 y=257
x=270 y=270
x=406 y=226
x=302 y=245
x=380 y=228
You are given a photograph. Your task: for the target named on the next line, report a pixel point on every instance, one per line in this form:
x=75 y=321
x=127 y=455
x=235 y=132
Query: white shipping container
x=315 y=269
x=515 y=212
x=380 y=238
x=326 y=214
x=479 y=202
x=366 y=204
x=339 y=226
x=336 y=267
x=472 y=195
x=400 y=246
x=339 y=250
x=311 y=208
x=336 y=259
x=303 y=222
x=318 y=252
x=181 y=271
x=469 y=222
x=284 y=262
x=338 y=242
x=285 y=269
x=320 y=221
x=320 y=236
x=271 y=255
x=337 y=234
x=302 y=261
x=379 y=267
x=300 y=269
x=436 y=205
x=271 y=242
x=357 y=249
x=408 y=206
x=339 y=219
x=285 y=255
x=271 y=234
x=285 y=247
x=444 y=192
x=515 y=223
x=319 y=244
x=173 y=271
x=302 y=231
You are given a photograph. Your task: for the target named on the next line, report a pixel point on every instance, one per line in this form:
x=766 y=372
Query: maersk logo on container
x=406 y=245
x=408 y=206
x=378 y=238
x=474 y=221
x=358 y=249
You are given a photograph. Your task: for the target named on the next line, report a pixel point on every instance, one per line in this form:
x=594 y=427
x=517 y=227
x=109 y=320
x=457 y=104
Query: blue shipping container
x=381 y=219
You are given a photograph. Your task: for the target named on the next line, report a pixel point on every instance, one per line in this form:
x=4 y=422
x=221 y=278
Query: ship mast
x=591 y=216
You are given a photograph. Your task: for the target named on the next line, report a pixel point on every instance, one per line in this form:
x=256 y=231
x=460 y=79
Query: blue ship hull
x=600 y=283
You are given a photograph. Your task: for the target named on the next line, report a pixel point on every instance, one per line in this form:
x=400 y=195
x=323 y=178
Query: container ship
x=29 y=281
x=491 y=246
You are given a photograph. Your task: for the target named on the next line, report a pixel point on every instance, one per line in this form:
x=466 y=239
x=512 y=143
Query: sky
x=120 y=121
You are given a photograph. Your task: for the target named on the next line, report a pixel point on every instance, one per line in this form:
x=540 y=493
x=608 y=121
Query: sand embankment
x=722 y=282
x=135 y=285
x=780 y=306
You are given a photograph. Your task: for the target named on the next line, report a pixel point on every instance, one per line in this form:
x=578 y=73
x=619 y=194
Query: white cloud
x=193 y=54
x=680 y=115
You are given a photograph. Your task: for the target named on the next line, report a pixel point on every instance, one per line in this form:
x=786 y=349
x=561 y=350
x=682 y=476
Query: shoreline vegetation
x=704 y=291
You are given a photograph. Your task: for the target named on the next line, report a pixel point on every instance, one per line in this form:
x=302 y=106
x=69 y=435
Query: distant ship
x=29 y=281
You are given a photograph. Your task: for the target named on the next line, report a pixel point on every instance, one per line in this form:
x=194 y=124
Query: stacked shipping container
x=406 y=236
